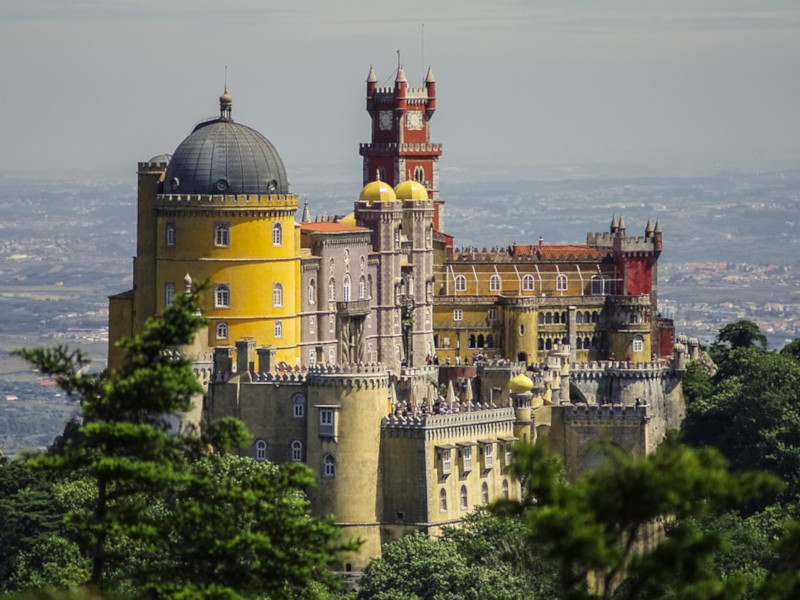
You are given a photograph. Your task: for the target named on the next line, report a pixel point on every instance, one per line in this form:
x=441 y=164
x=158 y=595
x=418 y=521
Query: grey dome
x=224 y=157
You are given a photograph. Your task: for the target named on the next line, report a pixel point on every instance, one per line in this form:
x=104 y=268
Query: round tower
x=346 y=406
x=521 y=332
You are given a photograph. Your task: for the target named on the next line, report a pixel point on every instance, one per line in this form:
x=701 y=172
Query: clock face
x=414 y=120
x=385 y=120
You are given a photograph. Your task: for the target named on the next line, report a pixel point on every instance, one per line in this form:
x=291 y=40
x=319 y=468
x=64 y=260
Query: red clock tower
x=400 y=148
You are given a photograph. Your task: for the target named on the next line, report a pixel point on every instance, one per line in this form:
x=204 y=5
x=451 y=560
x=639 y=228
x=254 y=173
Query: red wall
x=639 y=276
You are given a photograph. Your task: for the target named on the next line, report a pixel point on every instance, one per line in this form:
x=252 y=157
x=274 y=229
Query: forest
x=120 y=508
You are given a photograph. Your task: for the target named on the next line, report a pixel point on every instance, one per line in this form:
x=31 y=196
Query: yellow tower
x=220 y=210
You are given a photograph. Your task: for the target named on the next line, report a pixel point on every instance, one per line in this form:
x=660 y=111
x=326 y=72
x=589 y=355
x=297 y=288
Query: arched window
x=328 y=466
x=463 y=497
x=222 y=331
x=490 y=341
x=369 y=285
x=579 y=317
x=419 y=174
x=548 y=318
x=461 y=283
x=579 y=344
x=312 y=324
x=169 y=294
x=481 y=341
x=277 y=234
x=494 y=283
x=277 y=295
x=261 y=450
x=504 y=491
x=541 y=344
x=222 y=295
x=170 y=234
x=527 y=283
x=638 y=343
x=278 y=329
x=541 y=318
x=442 y=500
x=312 y=292
x=587 y=343
x=332 y=290
x=346 y=289
x=222 y=234
x=548 y=344
x=587 y=318
x=298 y=406
x=471 y=341
x=429 y=237
x=362 y=288
x=297 y=451
x=561 y=283
x=484 y=493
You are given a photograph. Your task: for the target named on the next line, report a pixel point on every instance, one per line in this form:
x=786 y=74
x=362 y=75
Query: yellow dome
x=377 y=191
x=520 y=384
x=348 y=219
x=411 y=190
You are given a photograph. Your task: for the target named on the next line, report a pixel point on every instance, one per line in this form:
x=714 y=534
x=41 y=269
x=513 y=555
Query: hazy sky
x=691 y=84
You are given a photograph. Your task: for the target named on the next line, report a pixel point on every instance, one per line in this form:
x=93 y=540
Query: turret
x=657 y=235
x=400 y=87
x=614 y=225
x=621 y=229
x=648 y=230
x=372 y=82
x=430 y=85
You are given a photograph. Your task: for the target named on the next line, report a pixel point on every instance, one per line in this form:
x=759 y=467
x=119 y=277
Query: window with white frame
x=488 y=456
x=312 y=292
x=638 y=343
x=278 y=329
x=447 y=461
x=484 y=493
x=326 y=422
x=561 y=283
x=504 y=489
x=466 y=459
x=494 y=283
x=297 y=451
x=222 y=235
x=261 y=450
x=600 y=285
x=508 y=454
x=277 y=295
x=458 y=314
x=463 y=497
x=222 y=331
x=222 y=296
x=442 y=500
x=298 y=406
x=277 y=234
x=362 y=288
x=332 y=290
x=170 y=234
x=527 y=283
x=491 y=315
x=461 y=283
x=328 y=466
x=169 y=293
x=346 y=289
x=312 y=324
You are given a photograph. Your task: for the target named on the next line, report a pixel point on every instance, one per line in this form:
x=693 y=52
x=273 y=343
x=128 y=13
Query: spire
x=306 y=215
x=614 y=223
x=622 y=223
x=372 y=78
x=401 y=75
x=648 y=228
x=429 y=78
x=658 y=227
x=225 y=104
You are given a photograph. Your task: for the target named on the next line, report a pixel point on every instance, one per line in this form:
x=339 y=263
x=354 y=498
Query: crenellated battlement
x=361 y=375
x=243 y=201
x=595 y=370
x=147 y=166
x=587 y=414
x=479 y=415
x=391 y=147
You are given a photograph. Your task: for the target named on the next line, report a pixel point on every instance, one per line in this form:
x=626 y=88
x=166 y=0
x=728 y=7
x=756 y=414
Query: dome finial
x=225 y=100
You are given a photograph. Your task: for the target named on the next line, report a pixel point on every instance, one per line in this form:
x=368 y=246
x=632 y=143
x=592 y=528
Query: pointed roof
x=621 y=222
x=614 y=221
x=401 y=75
x=372 y=78
x=429 y=78
x=658 y=227
x=306 y=215
x=649 y=227
x=451 y=393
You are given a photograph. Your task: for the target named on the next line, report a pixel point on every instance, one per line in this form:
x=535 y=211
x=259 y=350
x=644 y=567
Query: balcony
x=354 y=308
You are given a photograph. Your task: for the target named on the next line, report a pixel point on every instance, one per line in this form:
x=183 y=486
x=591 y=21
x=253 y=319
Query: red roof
x=555 y=252
x=328 y=227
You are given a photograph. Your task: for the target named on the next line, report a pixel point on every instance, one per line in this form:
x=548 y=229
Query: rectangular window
x=222 y=235
x=458 y=314
x=222 y=296
x=326 y=422
x=466 y=459
x=508 y=454
x=488 y=456
x=447 y=461
x=492 y=315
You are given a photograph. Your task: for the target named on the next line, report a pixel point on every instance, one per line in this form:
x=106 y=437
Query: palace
x=397 y=366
